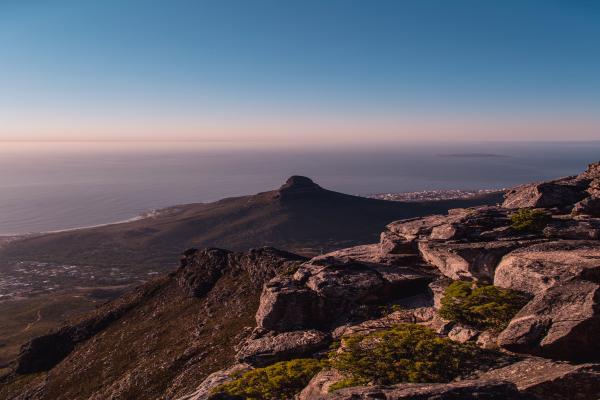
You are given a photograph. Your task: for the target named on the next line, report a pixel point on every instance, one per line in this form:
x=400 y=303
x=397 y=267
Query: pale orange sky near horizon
x=304 y=131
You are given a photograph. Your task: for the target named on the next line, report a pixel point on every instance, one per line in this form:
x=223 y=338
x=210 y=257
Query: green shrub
x=405 y=353
x=529 y=220
x=278 y=381
x=481 y=306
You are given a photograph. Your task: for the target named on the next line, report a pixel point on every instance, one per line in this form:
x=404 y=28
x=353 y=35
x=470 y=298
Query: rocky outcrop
x=550 y=380
x=536 y=268
x=562 y=322
x=328 y=291
x=466 y=261
x=463 y=390
x=319 y=386
x=580 y=228
x=200 y=270
x=589 y=205
x=563 y=319
x=273 y=347
x=296 y=187
x=558 y=193
x=203 y=391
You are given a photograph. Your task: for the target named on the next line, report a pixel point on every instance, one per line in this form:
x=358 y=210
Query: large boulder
x=463 y=390
x=562 y=322
x=558 y=193
x=588 y=206
x=538 y=267
x=329 y=291
x=550 y=380
x=563 y=319
x=273 y=347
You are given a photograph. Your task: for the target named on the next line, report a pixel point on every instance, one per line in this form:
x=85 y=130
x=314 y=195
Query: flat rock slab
x=551 y=380
x=272 y=348
x=464 y=390
x=466 y=261
x=324 y=291
x=558 y=193
x=536 y=268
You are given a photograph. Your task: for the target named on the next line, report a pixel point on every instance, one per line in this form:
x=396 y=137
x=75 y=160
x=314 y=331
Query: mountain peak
x=297 y=185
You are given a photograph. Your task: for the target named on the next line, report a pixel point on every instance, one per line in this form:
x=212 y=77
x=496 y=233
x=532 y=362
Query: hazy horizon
x=271 y=73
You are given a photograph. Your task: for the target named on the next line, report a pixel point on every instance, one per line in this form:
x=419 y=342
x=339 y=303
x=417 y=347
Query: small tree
x=481 y=306
x=531 y=220
x=405 y=353
x=282 y=380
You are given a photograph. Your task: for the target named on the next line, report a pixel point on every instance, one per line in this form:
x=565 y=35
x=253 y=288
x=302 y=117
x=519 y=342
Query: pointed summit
x=297 y=185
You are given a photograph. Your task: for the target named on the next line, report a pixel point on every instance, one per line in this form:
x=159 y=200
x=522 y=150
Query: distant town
x=427 y=195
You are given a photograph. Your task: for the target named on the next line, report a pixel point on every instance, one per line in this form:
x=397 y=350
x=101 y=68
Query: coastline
x=409 y=197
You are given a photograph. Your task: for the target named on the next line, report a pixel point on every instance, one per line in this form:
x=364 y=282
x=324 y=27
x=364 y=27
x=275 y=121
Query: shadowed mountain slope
x=300 y=216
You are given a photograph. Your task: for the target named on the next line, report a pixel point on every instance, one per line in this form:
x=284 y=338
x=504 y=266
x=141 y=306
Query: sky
x=290 y=72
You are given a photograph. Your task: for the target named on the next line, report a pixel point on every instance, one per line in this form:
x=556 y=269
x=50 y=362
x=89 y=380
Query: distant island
x=474 y=155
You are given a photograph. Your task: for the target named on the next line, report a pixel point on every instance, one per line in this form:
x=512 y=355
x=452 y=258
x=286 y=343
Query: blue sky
x=278 y=70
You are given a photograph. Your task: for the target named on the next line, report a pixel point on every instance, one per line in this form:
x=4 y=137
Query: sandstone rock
x=588 y=206
x=286 y=305
x=326 y=291
x=473 y=260
x=273 y=347
x=319 y=385
x=392 y=243
x=372 y=325
x=488 y=340
x=563 y=319
x=264 y=263
x=438 y=289
x=463 y=390
x=574 y=229
x=200 y=270
x=471 y=223
x=594 y=188
x=411 y=229
x=551 y=380
x=462 y=334
x=538 y=267
x=562 y=322
x=203 y=391
x=558 y=193
x=592 y=172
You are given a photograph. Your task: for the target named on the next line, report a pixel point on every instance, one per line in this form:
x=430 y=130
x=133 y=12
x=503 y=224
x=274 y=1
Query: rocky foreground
x=223 y=317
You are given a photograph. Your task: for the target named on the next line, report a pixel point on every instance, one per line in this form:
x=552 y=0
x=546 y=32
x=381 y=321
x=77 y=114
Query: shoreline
x=408 y=197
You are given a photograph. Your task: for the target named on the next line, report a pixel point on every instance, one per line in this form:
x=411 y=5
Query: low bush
x=530 y=220
x=481 y=306
x=405 y=353
x=282 y=380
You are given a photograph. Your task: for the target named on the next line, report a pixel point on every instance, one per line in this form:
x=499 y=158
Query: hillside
x=55 y=276
x=488 y=302
x=300 y=216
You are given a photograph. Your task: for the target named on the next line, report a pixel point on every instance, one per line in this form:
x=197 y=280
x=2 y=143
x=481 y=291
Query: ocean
x=47 y=188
